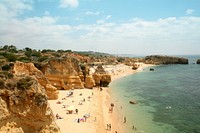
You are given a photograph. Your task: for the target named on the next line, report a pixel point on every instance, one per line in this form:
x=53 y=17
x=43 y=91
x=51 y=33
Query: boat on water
x=132 y=102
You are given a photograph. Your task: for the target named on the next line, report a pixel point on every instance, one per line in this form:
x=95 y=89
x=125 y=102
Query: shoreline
x=97 y=106
x=122 y=71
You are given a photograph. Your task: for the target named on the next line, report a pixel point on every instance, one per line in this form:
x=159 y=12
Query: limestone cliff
x=198 y=61
x=64 y=73
x=23 y=106
x=158 y=59
x=101 y=78
x=89 y=82
x=21 y=68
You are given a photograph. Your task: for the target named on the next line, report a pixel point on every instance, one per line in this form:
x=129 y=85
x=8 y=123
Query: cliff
x=23 y=106
x=198 y=61
x=28 y=69
x=64 y=73
x=158 y=59
x=101 y=78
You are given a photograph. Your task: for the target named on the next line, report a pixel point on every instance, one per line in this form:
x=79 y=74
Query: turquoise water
x=168 y=99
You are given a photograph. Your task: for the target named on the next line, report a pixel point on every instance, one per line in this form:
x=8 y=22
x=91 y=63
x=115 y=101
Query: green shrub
x=6 y=75
x=24 y=83
x=43 y=58
x=24 y=59
x=10 y=85
x=10 y=57
x=6 y=67
x=40 y=99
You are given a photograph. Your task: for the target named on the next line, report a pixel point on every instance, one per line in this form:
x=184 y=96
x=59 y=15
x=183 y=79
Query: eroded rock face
x=101 y=78
x=24 y=106
x=89 y=82
x=64 y=73
x=158 y=59
x=28 y=69
x=135 y=66
x=198 y=61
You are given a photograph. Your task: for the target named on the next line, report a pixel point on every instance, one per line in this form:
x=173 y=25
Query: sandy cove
x=92 y=102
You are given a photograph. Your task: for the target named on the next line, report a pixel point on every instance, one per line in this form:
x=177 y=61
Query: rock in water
x=198 y=61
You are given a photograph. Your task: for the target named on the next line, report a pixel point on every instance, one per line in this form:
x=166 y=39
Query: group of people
x=58 y=116
x=78 y=120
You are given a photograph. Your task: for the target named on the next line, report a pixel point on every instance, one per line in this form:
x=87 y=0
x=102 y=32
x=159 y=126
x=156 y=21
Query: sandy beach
x=92 y=103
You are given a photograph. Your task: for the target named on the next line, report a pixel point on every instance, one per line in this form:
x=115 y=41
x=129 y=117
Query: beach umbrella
x=70 y=108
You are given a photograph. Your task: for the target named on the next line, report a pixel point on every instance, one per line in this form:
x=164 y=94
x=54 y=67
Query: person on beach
x=125 y=119
x=134 y=128
x=58 y=117
x=76 y=110
x=109 y=127
x=110 y=109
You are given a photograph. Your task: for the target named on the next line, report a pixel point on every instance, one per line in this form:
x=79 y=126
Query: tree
x=10 y=57
x=10 y=48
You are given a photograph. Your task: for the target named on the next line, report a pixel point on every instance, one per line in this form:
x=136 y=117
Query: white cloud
x=165 y=36
x=92 y=13
x=189 y=11
x=41 y=20
x=69 y=3
x=100 y=21
x=13 y=8
x=108 y=17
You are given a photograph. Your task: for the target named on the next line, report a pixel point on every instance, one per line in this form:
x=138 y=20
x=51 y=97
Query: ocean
x=168 y=99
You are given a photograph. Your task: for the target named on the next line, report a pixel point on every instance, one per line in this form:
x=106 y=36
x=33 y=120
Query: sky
x=138 y=27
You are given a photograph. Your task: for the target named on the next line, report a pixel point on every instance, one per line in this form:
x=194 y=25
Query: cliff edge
x=23 y=106
x=28 y=69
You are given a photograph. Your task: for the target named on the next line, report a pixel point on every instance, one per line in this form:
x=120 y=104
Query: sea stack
x=198 y=61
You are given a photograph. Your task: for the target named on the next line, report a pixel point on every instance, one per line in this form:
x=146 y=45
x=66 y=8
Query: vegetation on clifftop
x=10 y=53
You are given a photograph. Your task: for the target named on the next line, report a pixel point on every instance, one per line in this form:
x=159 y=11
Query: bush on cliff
x=24 y=83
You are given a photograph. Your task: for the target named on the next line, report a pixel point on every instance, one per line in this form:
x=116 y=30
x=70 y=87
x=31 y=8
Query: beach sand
x=96 y=104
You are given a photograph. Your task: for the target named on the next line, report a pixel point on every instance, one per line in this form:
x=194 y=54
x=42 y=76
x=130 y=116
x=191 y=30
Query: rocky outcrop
x=64 y=73
x=158 y=59
x=28 y=69
x=101 y=78
x=24 y=107
x=198 y=61
x=135 y=66
x=89 y=82
x=11 y=128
